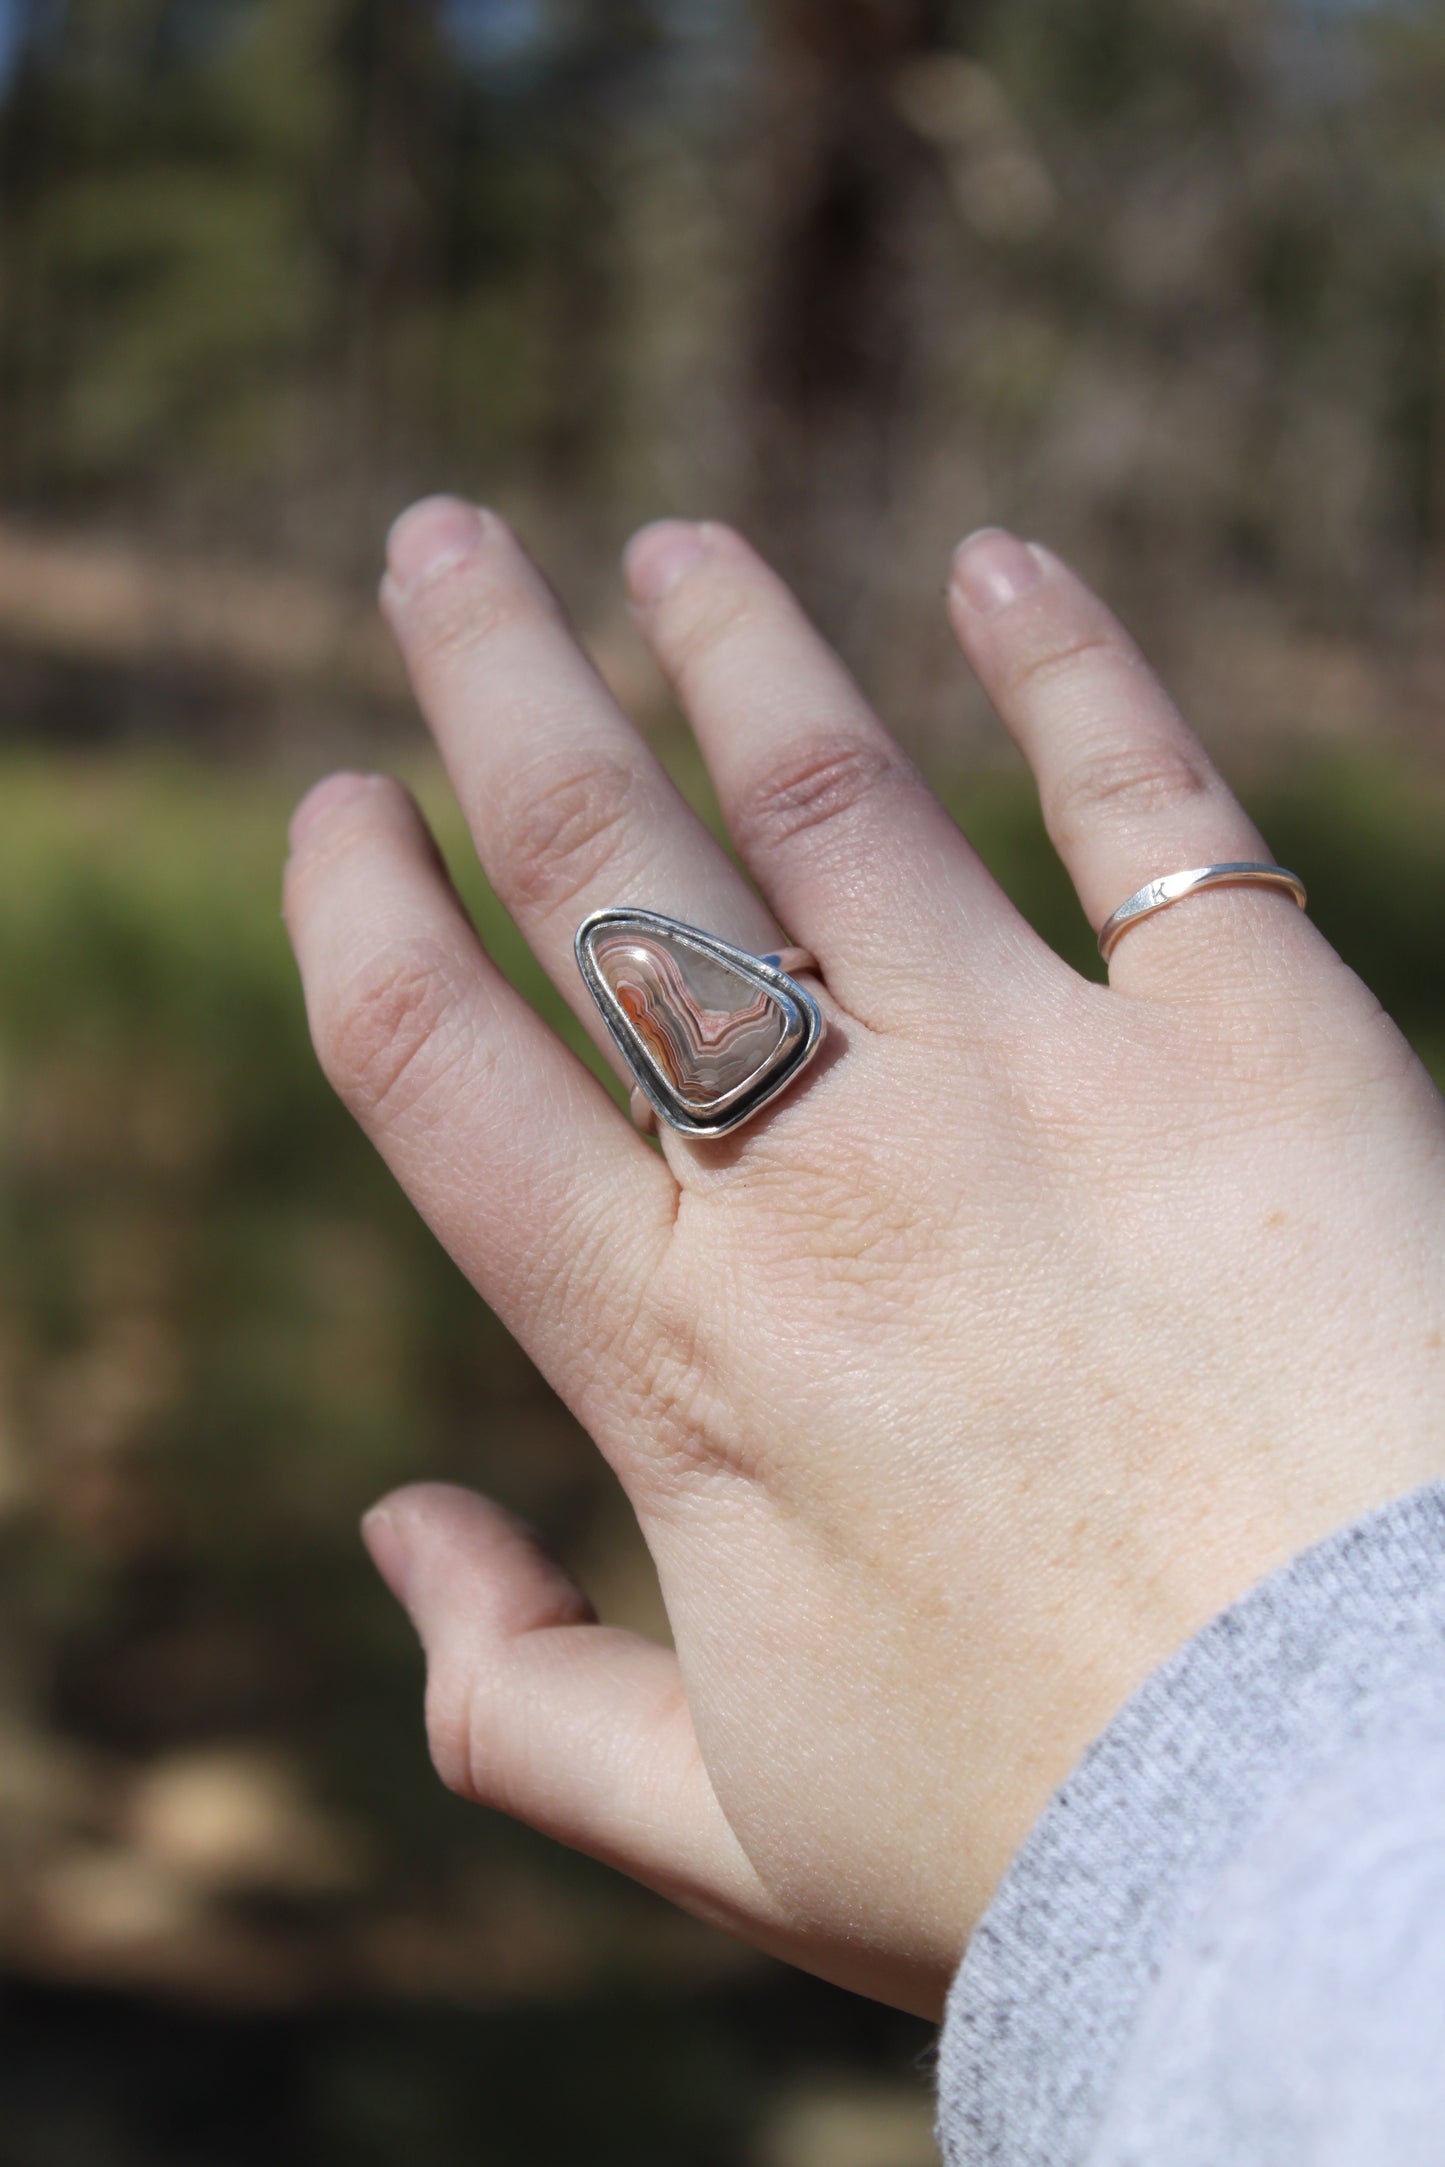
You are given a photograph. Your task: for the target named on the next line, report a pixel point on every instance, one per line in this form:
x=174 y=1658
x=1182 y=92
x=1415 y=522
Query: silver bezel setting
x=803 y=1034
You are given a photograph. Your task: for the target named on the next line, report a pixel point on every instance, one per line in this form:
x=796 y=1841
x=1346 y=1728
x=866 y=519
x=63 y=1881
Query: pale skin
x=1030 y=1328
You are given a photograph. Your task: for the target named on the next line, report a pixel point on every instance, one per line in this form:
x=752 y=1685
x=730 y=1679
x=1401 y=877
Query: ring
x=1173 y=887
x=711 y=1033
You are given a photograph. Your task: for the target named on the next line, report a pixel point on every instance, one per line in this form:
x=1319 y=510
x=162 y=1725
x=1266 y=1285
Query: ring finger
x=568 y=807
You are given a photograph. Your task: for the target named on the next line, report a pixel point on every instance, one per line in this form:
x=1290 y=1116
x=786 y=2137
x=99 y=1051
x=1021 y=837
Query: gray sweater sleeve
x=1223 y=1945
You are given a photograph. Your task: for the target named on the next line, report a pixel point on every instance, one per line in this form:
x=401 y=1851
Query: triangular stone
x=703 y=1027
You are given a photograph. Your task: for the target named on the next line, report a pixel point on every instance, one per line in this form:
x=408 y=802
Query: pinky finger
x=1127 y=791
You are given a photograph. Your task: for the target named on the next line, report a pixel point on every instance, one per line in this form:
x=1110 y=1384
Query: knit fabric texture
x=1223 y=1944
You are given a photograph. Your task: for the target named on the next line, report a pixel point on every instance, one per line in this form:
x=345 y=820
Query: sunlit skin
x=1033 y=1325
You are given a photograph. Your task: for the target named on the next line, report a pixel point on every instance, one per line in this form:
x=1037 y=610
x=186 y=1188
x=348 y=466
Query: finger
x=533 y=1708
x=857 y=857
x=1127 y=791
x=568 y=807
x=554 y=1208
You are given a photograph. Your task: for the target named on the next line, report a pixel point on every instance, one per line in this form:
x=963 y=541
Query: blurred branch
x=114 y=603
x=100 y=601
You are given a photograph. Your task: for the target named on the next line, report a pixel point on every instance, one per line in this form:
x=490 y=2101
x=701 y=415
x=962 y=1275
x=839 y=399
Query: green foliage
x=269 y=245
x=226 y=1331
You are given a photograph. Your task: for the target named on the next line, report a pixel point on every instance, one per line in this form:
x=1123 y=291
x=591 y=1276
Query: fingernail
x=993 y=568
x=383 y=1540
x=657 y=557
x=430 y=536
x=322 y=798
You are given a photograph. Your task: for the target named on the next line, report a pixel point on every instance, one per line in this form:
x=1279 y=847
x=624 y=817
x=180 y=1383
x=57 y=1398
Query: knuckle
x=1124 y=781
x=559 y=826
x=397 y=1029
x=451 y=1731
x=468 y=604
x=707 y=614
x=347 y=838
x=1039 y=666
x=812 y=788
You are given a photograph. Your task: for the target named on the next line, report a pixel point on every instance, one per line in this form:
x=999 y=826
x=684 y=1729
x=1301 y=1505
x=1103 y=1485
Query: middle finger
x=834 y=822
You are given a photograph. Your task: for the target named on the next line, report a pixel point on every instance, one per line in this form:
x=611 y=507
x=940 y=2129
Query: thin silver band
x=1174 y=887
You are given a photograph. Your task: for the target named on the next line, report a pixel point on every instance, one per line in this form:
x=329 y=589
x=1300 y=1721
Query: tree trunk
x=833 y=333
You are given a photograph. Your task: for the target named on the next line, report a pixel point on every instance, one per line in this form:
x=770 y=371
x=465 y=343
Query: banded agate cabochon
x=705 y=1027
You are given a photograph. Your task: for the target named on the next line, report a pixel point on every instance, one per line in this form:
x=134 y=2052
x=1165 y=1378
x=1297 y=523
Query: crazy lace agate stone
x=706 y=1028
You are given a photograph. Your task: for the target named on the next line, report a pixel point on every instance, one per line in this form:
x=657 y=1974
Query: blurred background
x=1160 y=281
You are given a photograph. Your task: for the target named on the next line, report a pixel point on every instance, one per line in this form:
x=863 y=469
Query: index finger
x=553 y=1206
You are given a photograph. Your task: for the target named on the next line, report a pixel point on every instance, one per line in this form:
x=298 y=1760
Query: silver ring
x=1173 y=887
x=710 y=1033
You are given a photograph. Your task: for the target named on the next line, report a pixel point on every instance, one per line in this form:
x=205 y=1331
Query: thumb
x=534 y=1708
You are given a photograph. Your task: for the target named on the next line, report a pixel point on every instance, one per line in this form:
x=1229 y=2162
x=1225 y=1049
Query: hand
x=1037 y=1322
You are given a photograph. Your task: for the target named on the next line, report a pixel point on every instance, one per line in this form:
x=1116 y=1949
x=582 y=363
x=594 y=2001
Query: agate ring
x=709 y=1033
